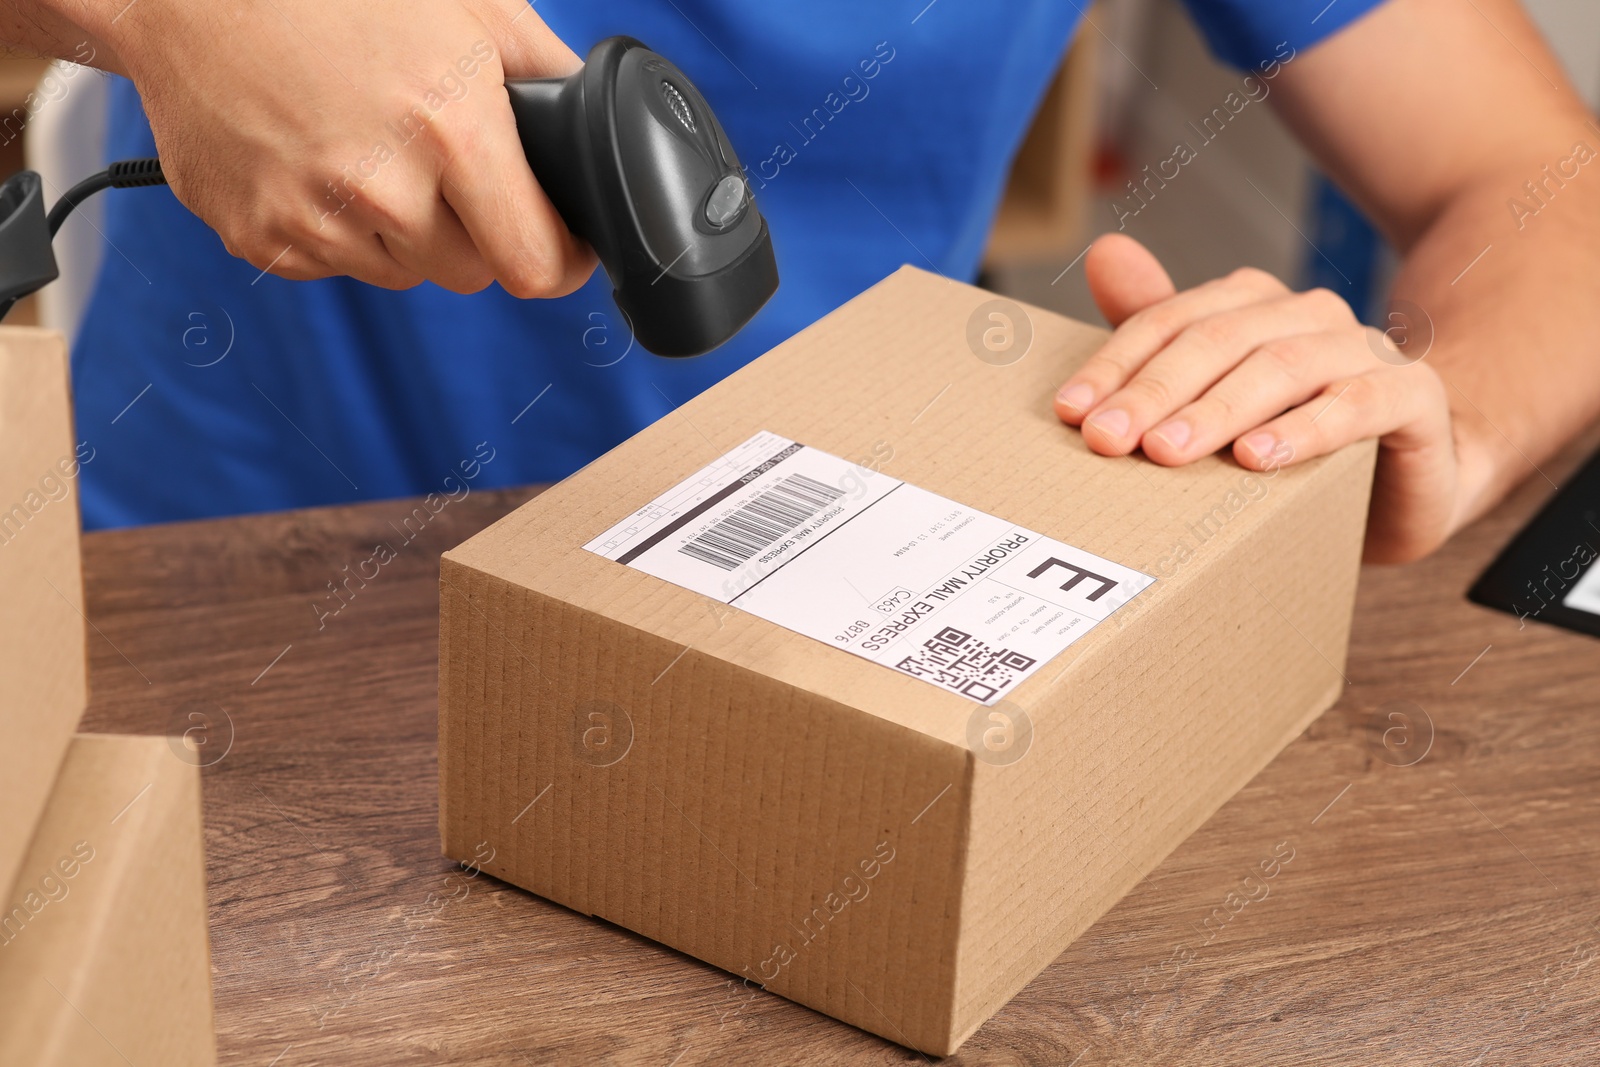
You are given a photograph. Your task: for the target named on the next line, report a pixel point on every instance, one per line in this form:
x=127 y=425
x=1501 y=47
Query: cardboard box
x=42 y=658
x=859 y=836
x=103 y=953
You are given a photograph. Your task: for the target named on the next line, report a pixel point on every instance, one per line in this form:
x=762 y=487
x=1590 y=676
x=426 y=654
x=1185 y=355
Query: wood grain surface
x=1434 y=842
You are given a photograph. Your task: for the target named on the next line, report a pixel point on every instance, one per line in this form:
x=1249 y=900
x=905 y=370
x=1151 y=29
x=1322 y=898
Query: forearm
x=1515 y=324
x=74 y=30
x=1436 y=115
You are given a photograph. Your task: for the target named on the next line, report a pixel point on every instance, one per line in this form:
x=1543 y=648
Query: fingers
x=528 y=49
x=512 y=223
x=366 y=258
x=1406 y=408
x=361 y=256
x=1148 y=331
x=431 y=241
x=394 y=162
x=392 y=230
x=437 y=217
x=1224 y=358
x=1285 y=377
x=1275 y=377
x=460 y=206
x=290 y=262
x=1124 y=277
x=486 y=181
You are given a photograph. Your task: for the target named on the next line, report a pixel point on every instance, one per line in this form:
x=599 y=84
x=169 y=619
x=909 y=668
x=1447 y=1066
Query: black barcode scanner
x=628 y=152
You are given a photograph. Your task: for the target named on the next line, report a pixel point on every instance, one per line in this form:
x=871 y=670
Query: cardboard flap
x=103 y=949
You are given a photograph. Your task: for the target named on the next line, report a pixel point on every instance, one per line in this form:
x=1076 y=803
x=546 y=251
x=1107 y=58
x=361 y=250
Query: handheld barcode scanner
x=629 y=153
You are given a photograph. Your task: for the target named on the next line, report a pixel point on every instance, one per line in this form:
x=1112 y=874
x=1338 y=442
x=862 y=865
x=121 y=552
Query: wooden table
x=1440 y=904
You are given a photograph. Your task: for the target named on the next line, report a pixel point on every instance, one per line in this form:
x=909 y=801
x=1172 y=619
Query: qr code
x=960 y=662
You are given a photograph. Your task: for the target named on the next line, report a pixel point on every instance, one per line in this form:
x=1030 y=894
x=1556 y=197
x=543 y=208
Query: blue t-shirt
x=873 y=134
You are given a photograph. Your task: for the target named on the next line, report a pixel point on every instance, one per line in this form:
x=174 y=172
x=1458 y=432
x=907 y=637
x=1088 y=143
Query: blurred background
x=1135 y=78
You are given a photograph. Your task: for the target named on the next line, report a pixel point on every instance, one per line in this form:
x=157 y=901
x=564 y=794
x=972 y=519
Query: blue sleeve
x=1248 y=33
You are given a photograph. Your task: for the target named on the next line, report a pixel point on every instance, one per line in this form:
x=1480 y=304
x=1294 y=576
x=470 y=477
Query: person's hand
x=323 y=137
x=1282 y=376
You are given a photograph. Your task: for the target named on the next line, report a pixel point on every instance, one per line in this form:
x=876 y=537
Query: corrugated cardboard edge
x=111 y=964
x=542 y=826
x=43 y=657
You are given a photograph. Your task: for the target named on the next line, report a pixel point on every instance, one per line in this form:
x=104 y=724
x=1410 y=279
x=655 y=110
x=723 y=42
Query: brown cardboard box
x=42 y=665
x=857 y=835
x=103 y=956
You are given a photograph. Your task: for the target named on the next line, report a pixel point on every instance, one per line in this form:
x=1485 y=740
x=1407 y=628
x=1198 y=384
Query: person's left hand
x=1283 y=376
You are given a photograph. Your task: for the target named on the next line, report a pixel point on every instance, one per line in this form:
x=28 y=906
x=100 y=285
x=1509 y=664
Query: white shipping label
x=867 y=563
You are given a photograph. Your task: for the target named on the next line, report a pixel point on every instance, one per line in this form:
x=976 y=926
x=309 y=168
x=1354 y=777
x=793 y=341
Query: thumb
x=528 y=48
x=1124 y=277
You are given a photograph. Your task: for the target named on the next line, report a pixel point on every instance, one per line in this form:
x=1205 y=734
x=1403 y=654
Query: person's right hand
x=323 y=137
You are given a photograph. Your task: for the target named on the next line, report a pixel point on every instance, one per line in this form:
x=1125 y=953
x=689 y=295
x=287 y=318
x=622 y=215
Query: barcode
x=773 y=513
x=960 y=662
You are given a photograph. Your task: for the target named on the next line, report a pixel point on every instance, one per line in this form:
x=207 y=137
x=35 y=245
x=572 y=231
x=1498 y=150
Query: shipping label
x=872 y=565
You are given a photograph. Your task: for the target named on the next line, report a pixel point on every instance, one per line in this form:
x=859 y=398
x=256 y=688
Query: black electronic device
x=1546 y=574
x=629 y=153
